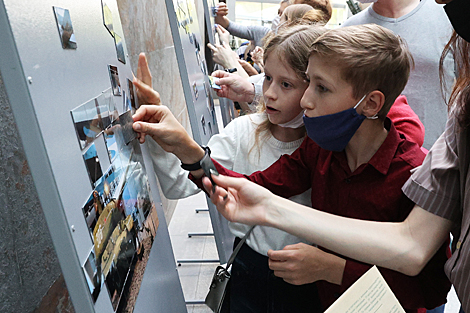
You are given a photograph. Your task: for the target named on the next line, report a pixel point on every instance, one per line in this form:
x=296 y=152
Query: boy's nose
x=306 y=101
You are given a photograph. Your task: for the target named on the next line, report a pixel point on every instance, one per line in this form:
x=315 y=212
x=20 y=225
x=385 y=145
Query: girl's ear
x=374 y=103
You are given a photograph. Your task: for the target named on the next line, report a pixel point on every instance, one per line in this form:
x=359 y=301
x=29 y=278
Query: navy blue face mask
x=458 y=13
x=334 y=131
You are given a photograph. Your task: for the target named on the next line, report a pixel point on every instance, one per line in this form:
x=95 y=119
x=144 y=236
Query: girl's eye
x=285 y=85
x=268 y=78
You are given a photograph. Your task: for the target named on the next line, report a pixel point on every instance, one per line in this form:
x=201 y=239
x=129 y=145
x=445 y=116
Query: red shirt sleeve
x=406 y=121
x=287 y=177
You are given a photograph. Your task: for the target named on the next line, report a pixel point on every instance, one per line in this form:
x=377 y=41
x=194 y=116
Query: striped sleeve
x=435 y=185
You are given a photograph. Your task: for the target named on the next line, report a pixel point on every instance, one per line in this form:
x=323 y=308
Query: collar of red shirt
x=382 y=159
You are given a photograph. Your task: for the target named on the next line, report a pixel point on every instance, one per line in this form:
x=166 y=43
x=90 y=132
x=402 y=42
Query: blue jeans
x=255 y=289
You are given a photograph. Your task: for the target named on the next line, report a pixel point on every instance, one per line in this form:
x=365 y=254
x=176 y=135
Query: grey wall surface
x=28 y=262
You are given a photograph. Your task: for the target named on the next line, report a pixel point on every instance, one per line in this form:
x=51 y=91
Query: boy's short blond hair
x=370 y=57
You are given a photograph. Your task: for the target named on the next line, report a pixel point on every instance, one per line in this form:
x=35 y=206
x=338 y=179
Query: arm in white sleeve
x=173 y=179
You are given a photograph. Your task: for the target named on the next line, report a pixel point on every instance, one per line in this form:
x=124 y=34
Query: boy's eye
x=268 y=78
x=285 y=85
x=322 y=88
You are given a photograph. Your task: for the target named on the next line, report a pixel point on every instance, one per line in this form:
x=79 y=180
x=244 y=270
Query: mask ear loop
x=368 y=117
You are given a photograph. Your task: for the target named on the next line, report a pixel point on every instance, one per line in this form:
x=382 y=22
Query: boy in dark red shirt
x=353 y=159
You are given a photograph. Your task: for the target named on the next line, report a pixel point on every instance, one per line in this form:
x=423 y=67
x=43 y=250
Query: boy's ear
x=374 y=103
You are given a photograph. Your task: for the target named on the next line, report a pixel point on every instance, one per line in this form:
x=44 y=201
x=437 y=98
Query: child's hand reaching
x=238 y=199
x=257 y=57
x=143 y=84
x=224 y=35
x=159 y=123
x=234 y=87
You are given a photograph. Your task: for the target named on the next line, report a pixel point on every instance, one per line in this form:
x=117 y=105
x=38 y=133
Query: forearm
x=398 y=246
x=173 y=179
x=222 y=21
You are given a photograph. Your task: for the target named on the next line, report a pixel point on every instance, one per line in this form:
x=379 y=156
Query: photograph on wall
x=92 y=163
x=132 y=97
x=114 y=76
x=121 y=56
x=88 y=122
x=93 y=276
x=120 y=214
x=64 y=25
x=103 y=104
x=107 y=18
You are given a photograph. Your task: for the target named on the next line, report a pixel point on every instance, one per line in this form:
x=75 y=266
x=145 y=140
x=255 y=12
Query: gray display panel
x=193 y=69
x=227 y=107
x=66 y=77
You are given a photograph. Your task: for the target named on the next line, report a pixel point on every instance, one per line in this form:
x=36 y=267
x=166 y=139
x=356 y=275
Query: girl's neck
x=365 y=143
x=394 y=8
x=286 y=134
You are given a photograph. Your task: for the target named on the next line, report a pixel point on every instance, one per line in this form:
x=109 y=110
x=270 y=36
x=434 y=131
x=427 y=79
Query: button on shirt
x=371 y=192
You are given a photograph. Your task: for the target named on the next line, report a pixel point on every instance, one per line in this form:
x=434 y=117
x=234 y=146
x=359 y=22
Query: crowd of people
x=332 y=165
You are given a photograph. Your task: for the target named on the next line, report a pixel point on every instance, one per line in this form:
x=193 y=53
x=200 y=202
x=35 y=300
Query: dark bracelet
x=231 y=70
x=197 y=166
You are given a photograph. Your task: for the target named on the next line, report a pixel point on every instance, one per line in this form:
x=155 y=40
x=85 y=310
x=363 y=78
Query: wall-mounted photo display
x=107 y=18
x=92 y=163
x=132 y=97
x=114 y=76
x=64 y=25
x=122 y=221
x=121 y=56
x=88 y=122
x=93 y=276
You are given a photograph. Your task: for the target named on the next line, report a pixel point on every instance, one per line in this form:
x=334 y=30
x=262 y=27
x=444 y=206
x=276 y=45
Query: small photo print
x=213 y=81
x=93 y=276
x=92 y=164
x=131 y=94
x=121 y=56
x=107 y=18
x=128 y=132
x=64 y=25
x=88 y=122
x=114 y=76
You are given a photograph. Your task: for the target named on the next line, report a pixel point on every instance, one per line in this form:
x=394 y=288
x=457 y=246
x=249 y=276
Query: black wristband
x=196 y=166
x=231 y=70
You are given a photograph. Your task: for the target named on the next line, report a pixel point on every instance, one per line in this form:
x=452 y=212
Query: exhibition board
x=199 y=97
x=68 y=80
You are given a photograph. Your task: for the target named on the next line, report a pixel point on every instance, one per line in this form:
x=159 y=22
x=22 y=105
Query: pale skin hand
x=224 y=35
x=221 y=18
x=159 y=123
x=143 y=83
x=300 y=264
x=250 y=70
x=223 y=55
x=234 y=87
x=405 y=247
x=257 y=57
